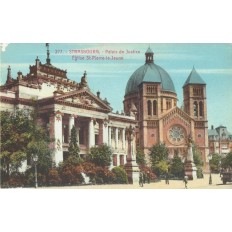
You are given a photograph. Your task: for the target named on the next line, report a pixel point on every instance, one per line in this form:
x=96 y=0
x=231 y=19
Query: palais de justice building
x=150 y=106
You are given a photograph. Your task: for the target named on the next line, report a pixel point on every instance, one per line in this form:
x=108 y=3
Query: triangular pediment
x=83 y=98
x=176 y=113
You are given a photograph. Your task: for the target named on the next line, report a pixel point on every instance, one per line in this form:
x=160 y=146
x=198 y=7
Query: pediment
x=177 y=113
x=83 y=98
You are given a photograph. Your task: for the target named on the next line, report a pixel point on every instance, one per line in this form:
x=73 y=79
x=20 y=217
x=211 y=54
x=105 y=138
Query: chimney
x=212 y=127
x=37 y=62
x=8 y=75
x=20 y=75
x=98 y=94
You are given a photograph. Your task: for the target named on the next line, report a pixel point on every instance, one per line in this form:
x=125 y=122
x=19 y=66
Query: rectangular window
x=115 y=163
x=121 y=160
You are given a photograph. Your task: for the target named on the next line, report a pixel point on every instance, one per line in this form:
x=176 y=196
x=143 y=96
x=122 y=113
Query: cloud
x=3 y=47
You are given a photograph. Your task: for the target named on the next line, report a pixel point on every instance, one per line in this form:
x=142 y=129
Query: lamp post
x=210 y=176
x=35 y=159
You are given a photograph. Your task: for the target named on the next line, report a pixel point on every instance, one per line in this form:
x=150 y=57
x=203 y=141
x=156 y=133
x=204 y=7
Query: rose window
x=176 y=135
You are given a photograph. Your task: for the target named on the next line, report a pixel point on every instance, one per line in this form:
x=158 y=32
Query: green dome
x=150 y=72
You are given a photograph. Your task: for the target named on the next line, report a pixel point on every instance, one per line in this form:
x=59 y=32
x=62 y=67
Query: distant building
x=220 y=140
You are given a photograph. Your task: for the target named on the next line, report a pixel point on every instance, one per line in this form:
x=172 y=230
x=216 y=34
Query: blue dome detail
x=150 y=72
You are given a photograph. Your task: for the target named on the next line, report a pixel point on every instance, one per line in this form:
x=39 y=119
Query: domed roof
x=149 y=72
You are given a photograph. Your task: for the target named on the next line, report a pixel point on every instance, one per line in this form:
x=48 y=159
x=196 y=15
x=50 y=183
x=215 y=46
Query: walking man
x=140 y=179
x=186 y=181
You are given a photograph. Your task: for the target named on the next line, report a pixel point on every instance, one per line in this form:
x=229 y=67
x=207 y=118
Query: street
x=173 y=184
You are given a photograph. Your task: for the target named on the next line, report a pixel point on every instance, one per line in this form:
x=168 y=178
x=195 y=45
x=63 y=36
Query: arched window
x=201 y=109
x=154 y=107
x=149 y=107
x=195 y=108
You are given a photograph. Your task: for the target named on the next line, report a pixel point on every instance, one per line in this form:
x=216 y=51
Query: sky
x=212 y=61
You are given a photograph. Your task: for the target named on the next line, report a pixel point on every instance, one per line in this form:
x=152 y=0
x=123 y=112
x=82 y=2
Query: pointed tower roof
x=149 y=50
x=194 y=78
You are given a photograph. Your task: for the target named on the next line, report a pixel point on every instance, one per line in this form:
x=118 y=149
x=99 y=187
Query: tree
x=73 y=148
x=227 y=161
x=101 y=155
x=159 y=158
x=140 y=157
x=197 y=160
x=21 y=137
x=215 y=163
x=177 y=167
x=15 y=135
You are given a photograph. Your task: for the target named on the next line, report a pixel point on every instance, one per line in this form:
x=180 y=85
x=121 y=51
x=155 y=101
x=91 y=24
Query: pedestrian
x=167 y=178
x=186 y=181
x=140 y=179
x=148 y=177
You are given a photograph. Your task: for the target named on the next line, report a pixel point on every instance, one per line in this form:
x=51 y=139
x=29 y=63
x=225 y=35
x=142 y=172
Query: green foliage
x=159 y=159
x=15 y=133
x=21 y=137
x=215 y=163
x=227 y=161
x=140 y=157
x=120 y=175
x=101 y=155
x=198 y=161
x=73 y=148
x=177 y=167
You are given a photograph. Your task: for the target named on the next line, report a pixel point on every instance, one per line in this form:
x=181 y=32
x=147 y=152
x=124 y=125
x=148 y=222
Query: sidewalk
x=173 y=184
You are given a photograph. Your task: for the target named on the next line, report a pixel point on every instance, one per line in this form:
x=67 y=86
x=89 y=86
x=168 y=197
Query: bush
x=53 y=177
x=16 y=180
x=120 y=175
x=149 y=174
x=97 y=174
x=71 y=175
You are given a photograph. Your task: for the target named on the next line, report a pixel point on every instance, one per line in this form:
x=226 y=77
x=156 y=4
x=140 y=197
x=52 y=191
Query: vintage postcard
x=117 y=116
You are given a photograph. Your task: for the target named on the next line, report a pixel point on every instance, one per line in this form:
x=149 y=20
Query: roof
x=212 y=132
x=150 y=72
x=149 y=50
x=217 y=131
x=194 y=78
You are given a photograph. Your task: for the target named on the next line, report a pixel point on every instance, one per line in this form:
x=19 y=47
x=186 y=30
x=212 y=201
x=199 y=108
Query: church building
x=150 y=95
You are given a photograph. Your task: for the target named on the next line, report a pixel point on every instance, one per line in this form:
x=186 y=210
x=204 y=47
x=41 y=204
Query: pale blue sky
x=212 y=61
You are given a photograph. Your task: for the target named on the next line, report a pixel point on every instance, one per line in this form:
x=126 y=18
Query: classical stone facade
x=62 y=104
x=150 y=96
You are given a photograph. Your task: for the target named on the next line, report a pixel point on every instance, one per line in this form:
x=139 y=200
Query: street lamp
x=210 y=176
x=35 y=159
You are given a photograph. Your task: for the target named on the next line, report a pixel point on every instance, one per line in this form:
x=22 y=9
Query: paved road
x=173 y=184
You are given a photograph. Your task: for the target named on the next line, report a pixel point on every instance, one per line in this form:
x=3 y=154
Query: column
x=116 y=137
x=56 y=134
x=101 y=132
x=105 y=132
x=91 y=133
x=123 y=139
x=109 y=136
x=71 y=123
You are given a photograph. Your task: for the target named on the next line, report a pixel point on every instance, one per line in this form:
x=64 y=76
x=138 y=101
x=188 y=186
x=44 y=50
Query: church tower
x=150 y=93
x=194 y=91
